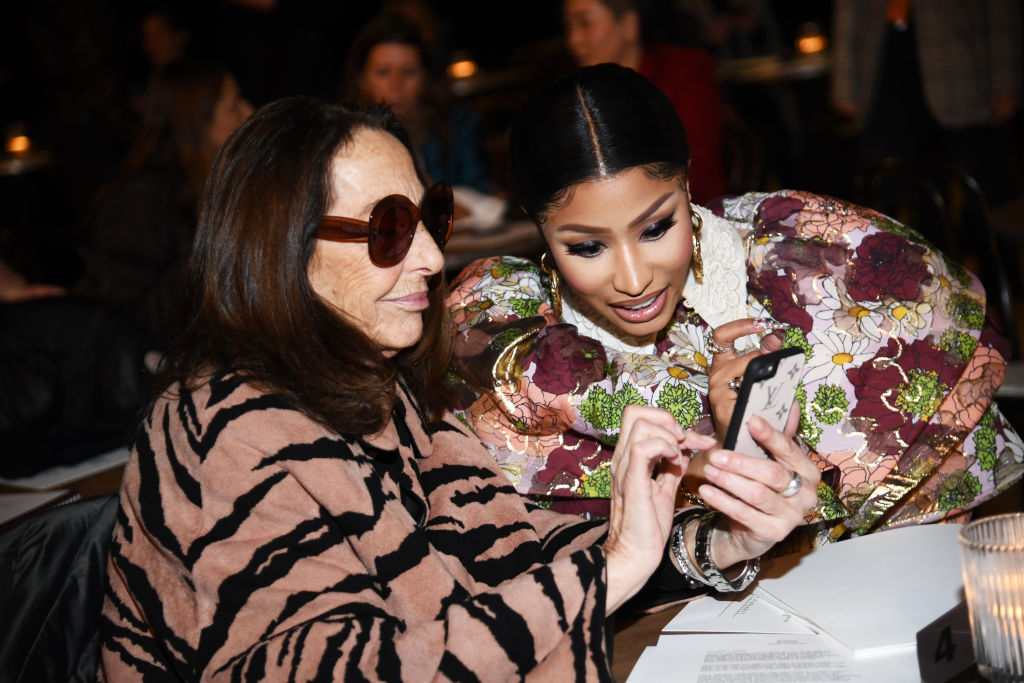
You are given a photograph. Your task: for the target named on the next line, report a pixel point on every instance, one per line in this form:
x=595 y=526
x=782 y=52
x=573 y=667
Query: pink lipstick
x=641 y=310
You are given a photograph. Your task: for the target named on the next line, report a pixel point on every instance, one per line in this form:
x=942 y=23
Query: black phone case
x=768 y=389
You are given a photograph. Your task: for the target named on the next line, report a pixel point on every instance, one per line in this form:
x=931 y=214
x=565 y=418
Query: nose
x=394 y=83
x=632 y=276
x=424 y=254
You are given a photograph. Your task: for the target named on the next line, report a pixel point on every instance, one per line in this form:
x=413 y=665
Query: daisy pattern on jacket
x=674 y=388
x=908 y=318
x=948 y=289
x=865 y=317
x=1014 y=445
x=689 y=347
x=834 y=352
x=652 y=370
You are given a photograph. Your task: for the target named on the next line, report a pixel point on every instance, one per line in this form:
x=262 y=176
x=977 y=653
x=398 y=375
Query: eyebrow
x=641 y=218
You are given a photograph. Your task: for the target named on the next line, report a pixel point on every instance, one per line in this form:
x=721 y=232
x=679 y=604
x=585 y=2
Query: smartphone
x=768 y=389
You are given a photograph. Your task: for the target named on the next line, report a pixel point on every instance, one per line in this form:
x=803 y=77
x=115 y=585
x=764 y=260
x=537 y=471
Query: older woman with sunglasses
x=299 y=504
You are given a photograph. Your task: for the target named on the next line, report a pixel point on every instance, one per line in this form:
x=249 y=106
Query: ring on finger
x=735 y=383
x=794 y=485
x=713 y=346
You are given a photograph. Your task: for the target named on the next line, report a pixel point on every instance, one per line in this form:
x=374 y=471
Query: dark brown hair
x=250 y=306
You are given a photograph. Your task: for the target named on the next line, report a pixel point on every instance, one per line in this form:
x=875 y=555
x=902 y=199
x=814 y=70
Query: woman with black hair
x=645 y=297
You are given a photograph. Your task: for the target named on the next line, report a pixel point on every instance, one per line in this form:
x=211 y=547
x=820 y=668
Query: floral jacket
x=896 y=397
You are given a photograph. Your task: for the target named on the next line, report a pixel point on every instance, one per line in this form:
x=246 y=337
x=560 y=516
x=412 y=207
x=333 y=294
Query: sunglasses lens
x=392 y=228
x=438 y=209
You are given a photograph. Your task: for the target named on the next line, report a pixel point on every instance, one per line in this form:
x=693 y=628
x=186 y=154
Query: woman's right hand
x=751 y=493
x=646 y=470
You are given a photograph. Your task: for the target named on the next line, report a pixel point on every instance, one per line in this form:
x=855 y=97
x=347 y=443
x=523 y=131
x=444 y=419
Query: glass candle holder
x=992 y=549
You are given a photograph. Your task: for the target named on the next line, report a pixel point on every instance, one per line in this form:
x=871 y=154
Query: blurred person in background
x=165 y=35
x=15 y=288
x=390 y=62
x=625 y=32
x=931 y=75
x=144 y=220
x=162 y=35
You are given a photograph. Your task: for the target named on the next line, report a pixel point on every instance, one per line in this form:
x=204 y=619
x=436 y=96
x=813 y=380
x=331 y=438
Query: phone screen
x=768 y=389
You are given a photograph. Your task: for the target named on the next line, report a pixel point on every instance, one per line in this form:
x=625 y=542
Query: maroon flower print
x=773 y=211
x=878 y=382
x=563 y=466
x=566 y=362
x=887 y=265
x=777 y=292
x=805 y=258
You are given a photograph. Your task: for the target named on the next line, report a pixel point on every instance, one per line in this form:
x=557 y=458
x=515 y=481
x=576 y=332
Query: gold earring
x=696 y=261
x=556 y=285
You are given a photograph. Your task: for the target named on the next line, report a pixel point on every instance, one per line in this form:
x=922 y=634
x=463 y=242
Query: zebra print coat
x=254 y=544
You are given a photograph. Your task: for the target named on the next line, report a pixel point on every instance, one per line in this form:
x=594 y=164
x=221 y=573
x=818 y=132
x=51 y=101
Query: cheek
x=413 y=84
x=673 y=258
x=343 y=276
x=373 y=87
x=585 y=276
x=683 y=247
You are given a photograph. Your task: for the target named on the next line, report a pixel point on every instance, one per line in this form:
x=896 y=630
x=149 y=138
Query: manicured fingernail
x=757 y=423
x=704 y=441
x=718 y=458
x=769 y=324
x=711 y=471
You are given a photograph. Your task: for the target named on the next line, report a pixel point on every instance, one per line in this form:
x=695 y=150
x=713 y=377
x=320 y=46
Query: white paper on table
x=766 y=658
x=872 y=593
x=744 y=612
x=65 y=474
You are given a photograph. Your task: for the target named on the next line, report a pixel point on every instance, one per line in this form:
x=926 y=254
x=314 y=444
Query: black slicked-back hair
x=594 y=123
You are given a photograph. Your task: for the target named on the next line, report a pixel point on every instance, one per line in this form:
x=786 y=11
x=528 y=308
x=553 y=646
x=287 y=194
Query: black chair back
x=52 y=579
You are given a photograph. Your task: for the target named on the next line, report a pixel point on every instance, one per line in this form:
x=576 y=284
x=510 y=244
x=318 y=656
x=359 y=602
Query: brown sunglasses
x=392 y=225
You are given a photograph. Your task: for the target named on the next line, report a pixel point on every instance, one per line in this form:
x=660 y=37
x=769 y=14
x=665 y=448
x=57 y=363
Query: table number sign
x=944 y=649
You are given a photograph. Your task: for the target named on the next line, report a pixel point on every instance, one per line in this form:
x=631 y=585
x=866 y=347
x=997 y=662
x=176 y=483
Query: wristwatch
x=714 y=576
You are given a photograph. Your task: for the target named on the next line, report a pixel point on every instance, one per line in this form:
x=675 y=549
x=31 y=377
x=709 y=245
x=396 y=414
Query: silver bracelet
x=679 y=550
x=715 y=578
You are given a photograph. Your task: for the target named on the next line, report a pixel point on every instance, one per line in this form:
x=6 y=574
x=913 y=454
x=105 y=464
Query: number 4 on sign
x=944 y=648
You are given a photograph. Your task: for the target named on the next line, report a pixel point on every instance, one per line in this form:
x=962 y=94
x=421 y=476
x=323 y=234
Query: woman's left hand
x=727 y=365
x=749 y=492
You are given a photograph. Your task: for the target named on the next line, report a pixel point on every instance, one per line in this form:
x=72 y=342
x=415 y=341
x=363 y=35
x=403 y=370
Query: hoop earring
x=548 y=268
x=696 y=261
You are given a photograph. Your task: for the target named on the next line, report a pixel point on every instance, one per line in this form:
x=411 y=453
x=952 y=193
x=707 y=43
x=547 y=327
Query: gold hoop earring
x=548 y=268
x=697 y=261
